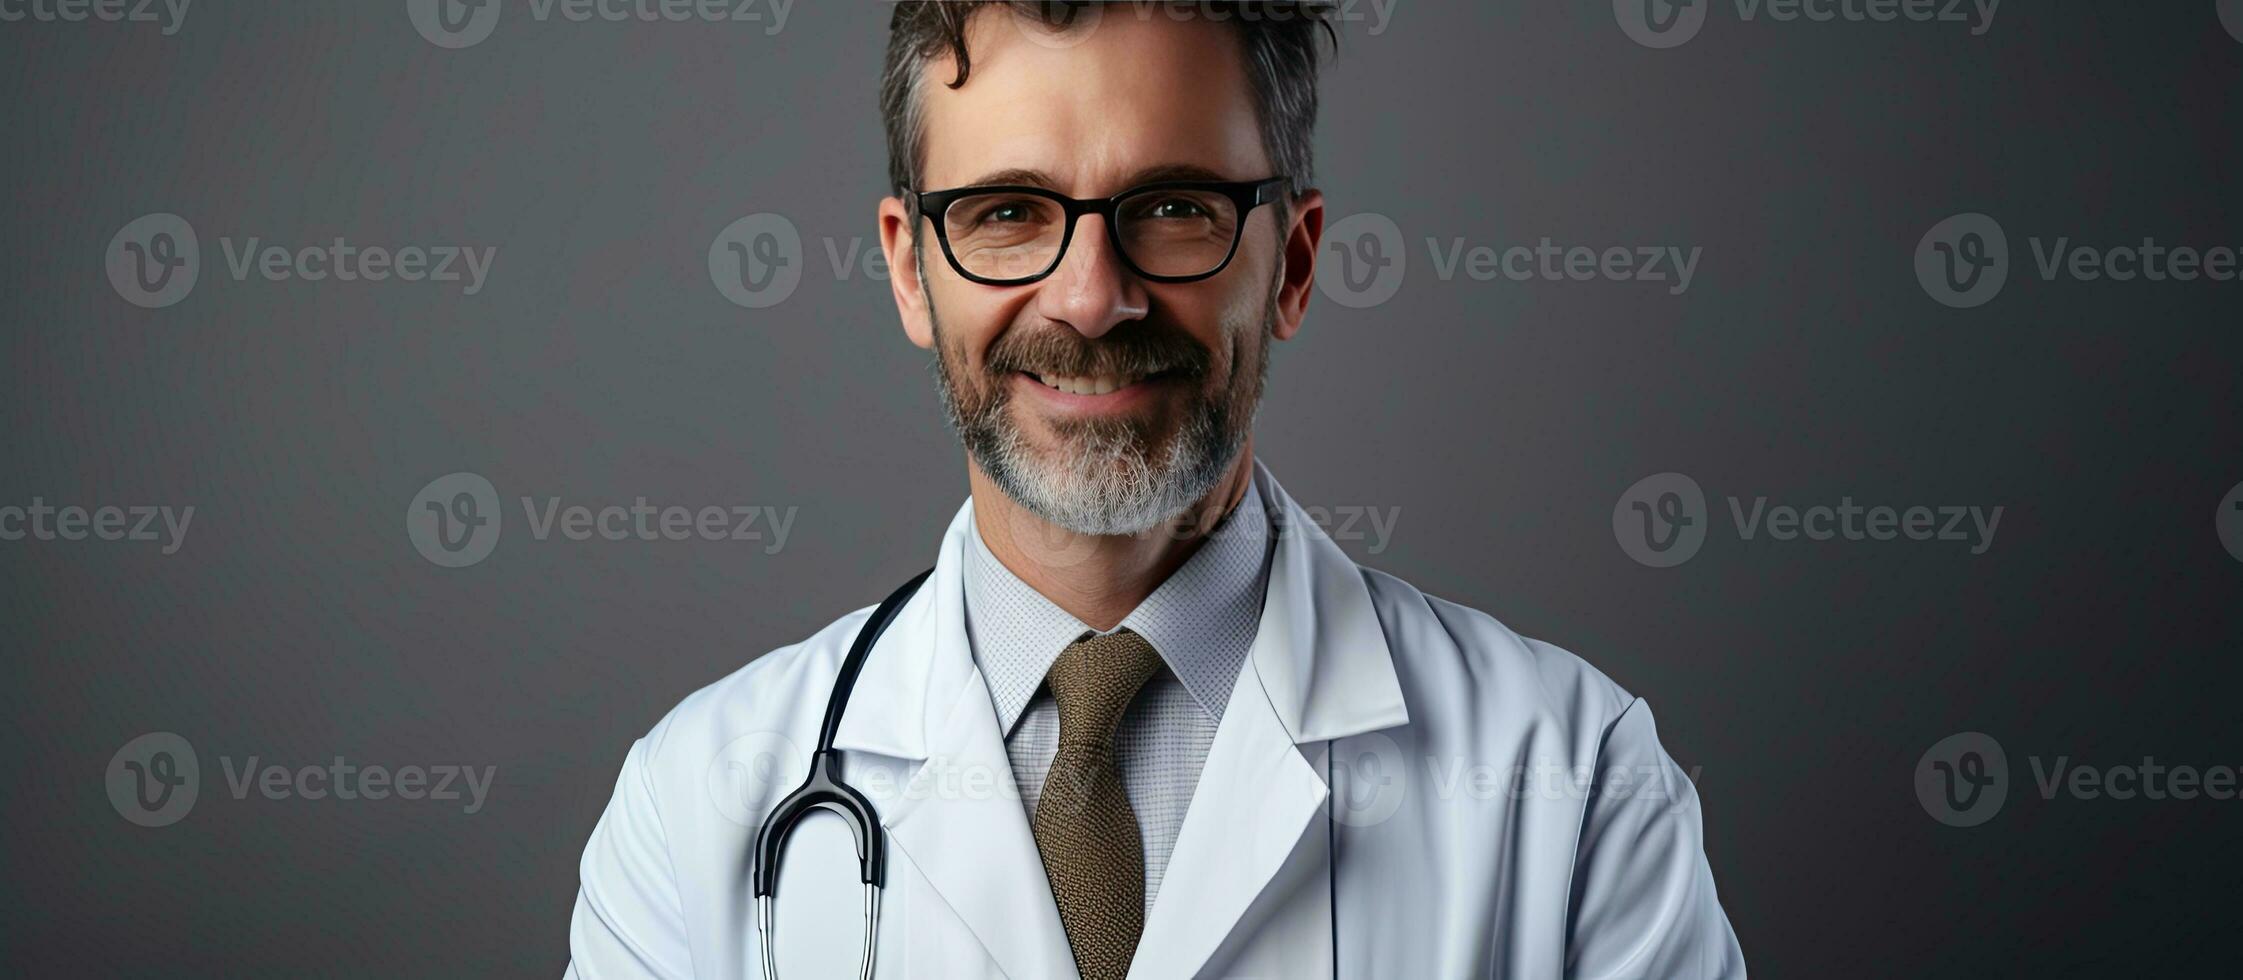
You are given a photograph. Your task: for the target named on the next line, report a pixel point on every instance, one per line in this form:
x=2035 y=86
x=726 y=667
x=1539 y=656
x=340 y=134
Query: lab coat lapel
x=1256 y=795
x=1319 y=669
x=958 y=820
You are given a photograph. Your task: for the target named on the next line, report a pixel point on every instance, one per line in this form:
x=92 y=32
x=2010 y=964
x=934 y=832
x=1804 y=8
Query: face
x=1100 y=401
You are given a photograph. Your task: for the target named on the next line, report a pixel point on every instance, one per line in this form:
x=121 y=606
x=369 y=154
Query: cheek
x=970 y=316
x=1238 y=322
x=1249 y=287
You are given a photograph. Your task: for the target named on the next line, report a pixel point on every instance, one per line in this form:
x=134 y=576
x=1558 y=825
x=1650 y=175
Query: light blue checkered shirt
x=1202 y=620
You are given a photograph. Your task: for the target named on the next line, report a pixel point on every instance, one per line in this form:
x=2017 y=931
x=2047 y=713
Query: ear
x=897 y=235
x=1298 y=279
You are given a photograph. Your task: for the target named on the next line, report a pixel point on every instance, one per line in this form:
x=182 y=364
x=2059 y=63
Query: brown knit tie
x=1084 y=827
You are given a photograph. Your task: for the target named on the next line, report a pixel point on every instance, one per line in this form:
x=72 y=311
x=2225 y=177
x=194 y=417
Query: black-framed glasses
x=1170 y=231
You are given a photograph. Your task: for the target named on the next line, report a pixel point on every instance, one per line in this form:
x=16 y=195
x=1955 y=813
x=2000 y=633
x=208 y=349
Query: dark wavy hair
x=1278 y=39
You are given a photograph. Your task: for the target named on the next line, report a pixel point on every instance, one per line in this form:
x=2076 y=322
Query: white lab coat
x=1399 y=788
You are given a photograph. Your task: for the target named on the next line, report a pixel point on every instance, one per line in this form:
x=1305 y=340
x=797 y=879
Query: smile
x=1102 y=384
x=1102 y=394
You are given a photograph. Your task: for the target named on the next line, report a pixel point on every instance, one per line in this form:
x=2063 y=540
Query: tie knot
x=1094 y=680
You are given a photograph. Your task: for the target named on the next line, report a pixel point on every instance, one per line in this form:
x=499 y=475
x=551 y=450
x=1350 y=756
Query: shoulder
x=778 y=697
x=1463 y=670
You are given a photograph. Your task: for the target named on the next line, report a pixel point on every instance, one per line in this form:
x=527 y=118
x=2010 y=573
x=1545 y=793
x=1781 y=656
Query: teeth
x=1098 y=385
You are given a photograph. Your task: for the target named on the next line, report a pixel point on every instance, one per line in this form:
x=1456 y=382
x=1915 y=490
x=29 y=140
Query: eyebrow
x=1028 y=177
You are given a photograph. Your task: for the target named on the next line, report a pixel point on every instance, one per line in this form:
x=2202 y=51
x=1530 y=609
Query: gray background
x=1501 y=421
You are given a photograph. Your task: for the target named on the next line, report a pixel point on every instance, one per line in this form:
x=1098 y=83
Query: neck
x=1099 y=578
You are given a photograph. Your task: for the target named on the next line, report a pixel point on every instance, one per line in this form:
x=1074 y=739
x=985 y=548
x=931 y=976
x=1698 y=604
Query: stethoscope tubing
x=824 y=789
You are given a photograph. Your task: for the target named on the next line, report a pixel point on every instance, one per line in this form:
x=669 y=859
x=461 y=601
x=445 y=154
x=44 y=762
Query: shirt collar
x=1202 y=619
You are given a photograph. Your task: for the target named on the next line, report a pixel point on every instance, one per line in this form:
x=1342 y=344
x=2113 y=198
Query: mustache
x=1134 y=349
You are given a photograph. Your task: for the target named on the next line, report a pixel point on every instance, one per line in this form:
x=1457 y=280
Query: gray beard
x=1104 y=479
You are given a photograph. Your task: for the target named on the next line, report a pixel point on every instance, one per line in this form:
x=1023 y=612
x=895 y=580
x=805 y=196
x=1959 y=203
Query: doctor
x=1143 y=719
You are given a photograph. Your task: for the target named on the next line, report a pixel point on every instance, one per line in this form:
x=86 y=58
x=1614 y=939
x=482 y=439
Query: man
x=1143 y=719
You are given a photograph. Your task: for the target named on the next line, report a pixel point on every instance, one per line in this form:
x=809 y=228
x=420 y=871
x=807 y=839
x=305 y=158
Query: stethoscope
x=824 y=789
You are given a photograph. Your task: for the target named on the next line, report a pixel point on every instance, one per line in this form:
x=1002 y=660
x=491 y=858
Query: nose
x=1091 y=291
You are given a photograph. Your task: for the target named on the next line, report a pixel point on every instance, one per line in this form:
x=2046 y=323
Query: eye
x=1176 y=207
x=1007 y=212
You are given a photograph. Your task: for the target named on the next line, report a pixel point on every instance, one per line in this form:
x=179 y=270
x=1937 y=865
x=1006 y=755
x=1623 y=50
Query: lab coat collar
x=1319 y=669
x=1320 y=653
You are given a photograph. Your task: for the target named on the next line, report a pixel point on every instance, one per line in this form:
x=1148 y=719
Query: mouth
x=1098 y=384
x=1093 y=394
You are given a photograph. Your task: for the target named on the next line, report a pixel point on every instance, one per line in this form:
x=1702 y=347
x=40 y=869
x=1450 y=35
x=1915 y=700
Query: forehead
x=1094 y=107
